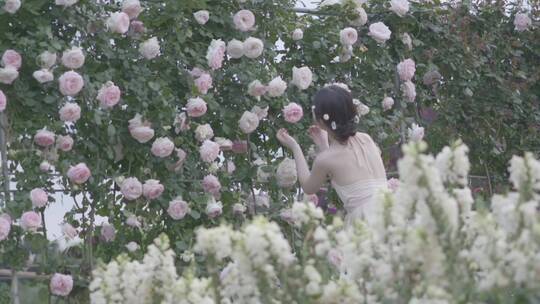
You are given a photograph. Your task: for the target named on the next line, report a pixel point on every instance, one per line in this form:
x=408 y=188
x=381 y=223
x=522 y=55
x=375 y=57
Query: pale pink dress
x=359 y=197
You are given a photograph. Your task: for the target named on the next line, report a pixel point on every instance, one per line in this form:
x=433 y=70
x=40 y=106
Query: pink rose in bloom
x=293 y=112
x=415 y=132
x=44 y=166
x=202 y=16
x=276 y=87
x=64 y=143
x=214 y=209
x=178 y=209
x=409 y=91
x=44 y=138
x=5 y=228
x=400 y=7
x=204 y=132
x=8 y=75
x=230 y=167
x=142 y=134
x=132 y=221
x=313 y=198
x=211 y=184
x=256 y=89
x=239 y=209
x=73 y=59
x=108 y=233
x=209 y=151
x=393 y=184
x=387 y=103
x=118 y=23
x=216 y=54
x=61 y=285
x=224 y=144
x=240 y=146
x=380 y=32
x=287 y=216
x=522 y=22
x=150 y=48
x=30 y=221
x=131 y=188
x=3 y=101
x=297 y=34
x=12 y=6
x=162 y=147
x=70 y=112
x=132 y=8
x=71 y=83
x=11 y=58
x=244 y=20
x=302 y=77
x=406 y=69
x=137 y=26
x=152 y=189
x=348 y=36
x=69 y=231
x=43 y=76
x=235 y=49
x=248 y=122
x=204 y=83
x=47 y=59
x=109 y=95
x=253 y=47
x=38 y=197
x=79 y=173
x=196 y=107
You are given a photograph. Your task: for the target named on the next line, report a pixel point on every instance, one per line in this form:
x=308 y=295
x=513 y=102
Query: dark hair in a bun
x=337 y=104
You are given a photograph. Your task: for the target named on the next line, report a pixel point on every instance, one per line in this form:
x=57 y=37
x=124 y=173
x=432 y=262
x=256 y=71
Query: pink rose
x=260 y=112
x=335 y=257
x=3 y=101
x=380 y=32
x=8 y=75
x=202 y=16
x=253 y=47
x=248 y=122
x=204 y=132
x=293 y=112
x=109 y=95
x=276 y=87
x=409 y=91
x=43 y=76
x=406 y=69
x=11 y=58
x=297 y=34
x=73 y=58
x=239 y=209
x=132 y=8
x=69 y=231
x=44 y=166
x=415 y=132
x=30 y=221
x=61 y=284
x=400 y=7
x=79 y=173
x=152 y=189
x=214 y=209
x=71 y=83
x=204 y=83
x=108 y=233
x=137 y=26
x=235 y=49
x=256 y=89
x=44 y=138
x=162 y=147
x=118 y=22
x=387 y=103
x=209 y=151
x=132 y=221
x=287 y=216
x=150 y=48
x=302 y=77
x=313 y=198
x=348 y=36
x=211 y=184
x=522 y=22
x=196 y=72
x=38 y=197
x=196 y=107
x=230 y=167
x=244 y=20
x=131 y=188
x=64 y=143
x=142 y=134
x=393 y=184
x=240 y=146
x=5 y=228
x=178 y=209
x=70 y=112
x=12 y=6
x=216 y=53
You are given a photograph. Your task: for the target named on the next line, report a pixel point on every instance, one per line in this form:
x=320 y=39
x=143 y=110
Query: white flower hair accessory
x=326 y=117
x=333 y=125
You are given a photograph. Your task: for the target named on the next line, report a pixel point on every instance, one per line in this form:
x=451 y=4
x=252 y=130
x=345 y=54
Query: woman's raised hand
x=319 y=136
x=285 y=139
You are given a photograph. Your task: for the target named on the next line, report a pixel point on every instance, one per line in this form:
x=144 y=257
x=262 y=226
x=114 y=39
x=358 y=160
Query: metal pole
x=15 y=288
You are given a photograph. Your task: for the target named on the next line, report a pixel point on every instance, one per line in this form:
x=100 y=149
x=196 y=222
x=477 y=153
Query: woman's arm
x=312 y=181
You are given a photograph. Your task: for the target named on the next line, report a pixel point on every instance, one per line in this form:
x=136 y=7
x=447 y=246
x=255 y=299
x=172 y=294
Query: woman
x=351 y=159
